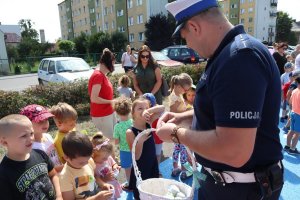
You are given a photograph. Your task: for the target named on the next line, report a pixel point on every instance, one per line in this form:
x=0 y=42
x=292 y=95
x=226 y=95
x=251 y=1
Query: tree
x=27 y=29
x=98 y=42
x=118 y=40
x=66 y=46
x=81 y=43
x=158 y=33
x=283 y=28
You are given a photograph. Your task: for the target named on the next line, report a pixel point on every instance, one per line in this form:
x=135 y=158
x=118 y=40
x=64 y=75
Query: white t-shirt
x=297 y=62
x=47 y=145
x=126 y=59
x=285 y=78
x=127 y=92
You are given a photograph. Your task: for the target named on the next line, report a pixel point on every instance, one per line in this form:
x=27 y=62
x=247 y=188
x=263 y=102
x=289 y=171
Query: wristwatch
x=174 y=136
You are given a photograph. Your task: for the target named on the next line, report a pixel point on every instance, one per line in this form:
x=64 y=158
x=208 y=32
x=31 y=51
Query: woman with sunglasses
x=147 y=75
x=280 y=56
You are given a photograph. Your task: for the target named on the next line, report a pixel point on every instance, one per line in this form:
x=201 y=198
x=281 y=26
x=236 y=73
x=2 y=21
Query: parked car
x=182 y=53
x=63 y=69
x=163 y=60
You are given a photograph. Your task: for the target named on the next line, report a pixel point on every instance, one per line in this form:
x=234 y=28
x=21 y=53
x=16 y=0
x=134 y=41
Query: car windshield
x=159 y=56
x=73 y=65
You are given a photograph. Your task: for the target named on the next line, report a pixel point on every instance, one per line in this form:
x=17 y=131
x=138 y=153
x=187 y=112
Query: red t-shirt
x=285 y=89
x=106 y=92
x=156 y=138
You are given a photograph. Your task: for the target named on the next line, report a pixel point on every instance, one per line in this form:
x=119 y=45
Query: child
x=106 y=169
x=38 y=116
x=122 y=106
x=124 y=88
x=65 y=117
x=189 y=97
x=25 y=173
x=288 y=68
x=293 y=134
x=180 y=84
x=77 y=179
x=158 y=142
x=145 y=148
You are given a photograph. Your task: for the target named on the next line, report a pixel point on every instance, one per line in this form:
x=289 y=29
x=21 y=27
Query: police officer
x=236 y=110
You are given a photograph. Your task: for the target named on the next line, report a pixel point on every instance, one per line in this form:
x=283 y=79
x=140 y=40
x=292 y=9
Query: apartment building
x=92 y=16
x=257 y=16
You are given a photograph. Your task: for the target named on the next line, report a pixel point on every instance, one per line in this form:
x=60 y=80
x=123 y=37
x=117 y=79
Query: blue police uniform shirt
x=241 y=88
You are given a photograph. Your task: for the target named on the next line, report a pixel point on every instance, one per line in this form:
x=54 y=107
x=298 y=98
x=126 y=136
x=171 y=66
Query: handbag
x=164 y=87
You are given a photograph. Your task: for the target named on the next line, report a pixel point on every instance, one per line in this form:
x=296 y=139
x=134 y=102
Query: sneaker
x=285 y=130
x=286 y=148
x=294 y=152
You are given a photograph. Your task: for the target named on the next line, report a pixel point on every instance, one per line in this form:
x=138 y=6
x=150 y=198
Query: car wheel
x=40 y=82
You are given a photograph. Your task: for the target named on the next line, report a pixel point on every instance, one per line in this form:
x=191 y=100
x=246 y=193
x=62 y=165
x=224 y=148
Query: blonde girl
x=145 y=149
x=106 y=167
x=124 y=89
x=180 y=84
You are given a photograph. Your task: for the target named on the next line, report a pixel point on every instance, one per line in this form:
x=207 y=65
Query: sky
x=44 y=14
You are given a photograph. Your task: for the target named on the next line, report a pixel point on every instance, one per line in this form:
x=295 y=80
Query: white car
x=63 y=69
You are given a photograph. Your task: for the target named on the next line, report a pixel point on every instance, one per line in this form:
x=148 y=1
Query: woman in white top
x=128 y=60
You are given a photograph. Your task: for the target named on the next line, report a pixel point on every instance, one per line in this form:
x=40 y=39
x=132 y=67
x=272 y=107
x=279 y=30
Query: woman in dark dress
x=280 y=56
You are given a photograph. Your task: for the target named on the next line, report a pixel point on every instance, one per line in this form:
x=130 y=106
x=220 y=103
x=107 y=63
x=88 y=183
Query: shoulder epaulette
x=242 y=42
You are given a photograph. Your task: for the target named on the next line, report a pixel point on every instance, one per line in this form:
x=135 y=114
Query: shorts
x=158 y=149
x=128 y=68
x=106 y=124
x=295 y=122
x=126 y=159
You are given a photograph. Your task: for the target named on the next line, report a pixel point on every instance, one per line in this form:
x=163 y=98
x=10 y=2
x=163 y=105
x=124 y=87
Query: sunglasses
x=147 y=56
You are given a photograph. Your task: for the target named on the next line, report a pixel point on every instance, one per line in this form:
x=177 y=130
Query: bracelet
x=174 y=136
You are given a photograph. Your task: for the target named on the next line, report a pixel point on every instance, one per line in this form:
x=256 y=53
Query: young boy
x=25 y=173
x=122 y=107
x=65 y=117
x=38 y=115
x=77 y=179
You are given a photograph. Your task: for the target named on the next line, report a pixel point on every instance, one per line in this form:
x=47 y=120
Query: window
x=92 y=10
x=51 y=67
x=141 y=36
x=139 y=2
x=242 y=11
x=129 y=3
x=121 y=29
x=105 y=11
x=113 y=24
x=120 y=13
x=84 y=9
x=139 y=19
x=250 y=19
x=98 y=16
x=130 y=21
x=112 y=9
x=242 y=21
x=93 y=23
x=233 y=5
x=249 y=29
x=106 y=26
x=250 y=10
x=99 y=28
x=242 y=1
x=233 y=16
x=131 y=37
x=250 y=1
x=97 y=3
x=44 y=66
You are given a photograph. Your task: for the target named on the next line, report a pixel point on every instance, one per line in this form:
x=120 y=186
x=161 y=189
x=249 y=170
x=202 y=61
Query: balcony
x=273 y=4
x=273 y=14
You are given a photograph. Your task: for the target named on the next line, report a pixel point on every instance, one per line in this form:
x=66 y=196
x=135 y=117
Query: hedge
x=75 y=94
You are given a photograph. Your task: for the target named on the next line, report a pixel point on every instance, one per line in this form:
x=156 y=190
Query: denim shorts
x=126 y=159
x=295 y=122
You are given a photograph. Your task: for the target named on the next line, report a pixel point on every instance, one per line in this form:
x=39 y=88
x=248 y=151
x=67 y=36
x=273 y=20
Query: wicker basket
x=157 y=188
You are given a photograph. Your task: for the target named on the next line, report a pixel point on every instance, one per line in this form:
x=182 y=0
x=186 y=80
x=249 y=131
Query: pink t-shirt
x=295 y=99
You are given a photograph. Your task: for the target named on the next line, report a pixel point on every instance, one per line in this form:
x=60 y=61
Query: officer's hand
x=169 y=117
x=165 y=131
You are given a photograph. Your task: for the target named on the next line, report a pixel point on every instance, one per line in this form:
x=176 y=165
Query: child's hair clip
x=98 y=147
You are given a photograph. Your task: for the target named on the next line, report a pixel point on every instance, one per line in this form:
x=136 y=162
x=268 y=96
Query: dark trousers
x=231 y=191
x=127 y=68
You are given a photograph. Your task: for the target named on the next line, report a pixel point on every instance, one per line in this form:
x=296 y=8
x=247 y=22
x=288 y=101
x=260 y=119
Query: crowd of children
x=74 y=166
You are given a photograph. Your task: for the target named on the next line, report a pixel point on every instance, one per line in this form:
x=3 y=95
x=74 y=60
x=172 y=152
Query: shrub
x=75 y=94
